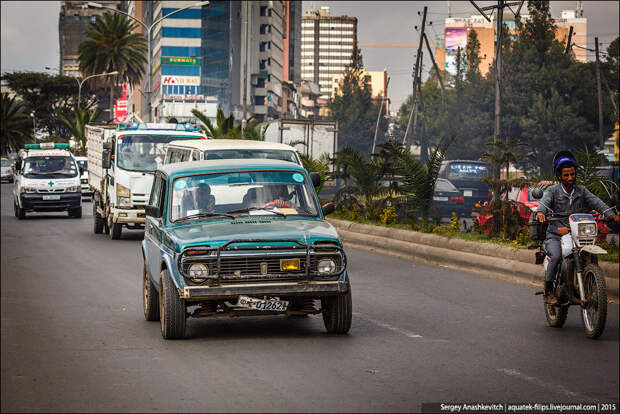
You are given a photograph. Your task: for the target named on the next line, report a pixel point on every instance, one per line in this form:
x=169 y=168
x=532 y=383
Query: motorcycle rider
x=565 y=198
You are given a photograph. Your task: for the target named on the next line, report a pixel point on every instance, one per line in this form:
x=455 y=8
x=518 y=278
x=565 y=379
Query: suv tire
x=171 y=309
x=150 y=298
x=337 y=312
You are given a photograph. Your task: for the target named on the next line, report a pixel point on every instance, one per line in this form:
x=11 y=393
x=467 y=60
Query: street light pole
x=148 y=37
x=80 y=83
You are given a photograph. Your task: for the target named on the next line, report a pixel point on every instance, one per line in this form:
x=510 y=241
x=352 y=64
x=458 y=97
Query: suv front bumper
x=36 y=201
x=231 y=291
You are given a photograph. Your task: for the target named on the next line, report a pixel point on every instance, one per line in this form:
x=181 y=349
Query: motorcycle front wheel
x=594 y=313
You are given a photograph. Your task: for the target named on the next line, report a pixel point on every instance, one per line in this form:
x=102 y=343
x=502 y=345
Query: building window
x=263 y=10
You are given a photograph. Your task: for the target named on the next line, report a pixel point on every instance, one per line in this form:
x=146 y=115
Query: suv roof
x=228 y=144
x=226 y=165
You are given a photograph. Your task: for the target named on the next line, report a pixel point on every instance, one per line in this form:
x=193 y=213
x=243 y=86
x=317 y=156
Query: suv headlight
x=122 y=191
x=326 y=266
x=198 y=272
x=587 y=230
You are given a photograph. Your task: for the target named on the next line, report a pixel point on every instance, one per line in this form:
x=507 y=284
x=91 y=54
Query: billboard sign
x=120 y=107
x=172 y=60
x=455 y=39
x=181 y=80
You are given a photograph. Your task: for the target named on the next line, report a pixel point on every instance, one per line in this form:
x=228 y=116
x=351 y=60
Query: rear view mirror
x=537 y=193
x=106 y=159
x=316 y=179
x=152 y=211
x=328 y=208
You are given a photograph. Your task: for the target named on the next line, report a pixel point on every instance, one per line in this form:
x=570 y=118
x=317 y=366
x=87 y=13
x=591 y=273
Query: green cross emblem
x=51 y=183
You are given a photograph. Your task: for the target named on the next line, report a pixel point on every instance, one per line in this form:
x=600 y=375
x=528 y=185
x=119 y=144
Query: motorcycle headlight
x=326 y=266
x=122 y=191
x=587 y=230
x=198 y=272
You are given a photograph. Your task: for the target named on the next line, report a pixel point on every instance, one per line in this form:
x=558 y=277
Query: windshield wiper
x=204 y=215
x=247 y=210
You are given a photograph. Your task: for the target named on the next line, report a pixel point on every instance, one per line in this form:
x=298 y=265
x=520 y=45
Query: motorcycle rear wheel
x=594 y=314
x=556 y=314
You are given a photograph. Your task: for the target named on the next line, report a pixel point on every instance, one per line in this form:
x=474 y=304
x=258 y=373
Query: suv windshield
x=59 y=166
x=463 y=171
x=254 y=193
x=144 y=152
x=283 y=155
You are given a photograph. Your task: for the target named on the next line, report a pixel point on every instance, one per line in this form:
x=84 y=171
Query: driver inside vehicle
x=278 y=194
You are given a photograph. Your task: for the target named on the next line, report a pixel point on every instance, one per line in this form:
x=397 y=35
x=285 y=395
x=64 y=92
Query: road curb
x=499 y=262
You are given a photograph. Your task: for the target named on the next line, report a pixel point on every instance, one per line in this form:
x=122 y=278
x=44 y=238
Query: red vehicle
x=524 y=205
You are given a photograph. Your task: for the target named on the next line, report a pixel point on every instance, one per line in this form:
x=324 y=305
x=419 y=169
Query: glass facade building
x=215 y=35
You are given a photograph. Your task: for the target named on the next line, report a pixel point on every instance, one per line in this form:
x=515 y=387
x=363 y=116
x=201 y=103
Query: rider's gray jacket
x=555 y=200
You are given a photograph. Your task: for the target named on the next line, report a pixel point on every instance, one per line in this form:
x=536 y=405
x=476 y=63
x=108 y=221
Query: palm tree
x=14 y=123
x=112 y=45
x=77 y=126
x=225 y=127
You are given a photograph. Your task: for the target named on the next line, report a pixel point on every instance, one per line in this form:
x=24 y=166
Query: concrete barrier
x=500 y=262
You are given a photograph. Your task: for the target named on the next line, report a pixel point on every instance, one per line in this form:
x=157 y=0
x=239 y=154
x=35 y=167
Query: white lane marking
x=537 y=381
x=390 y=327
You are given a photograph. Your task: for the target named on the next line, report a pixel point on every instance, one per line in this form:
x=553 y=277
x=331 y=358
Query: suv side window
x=154 y=199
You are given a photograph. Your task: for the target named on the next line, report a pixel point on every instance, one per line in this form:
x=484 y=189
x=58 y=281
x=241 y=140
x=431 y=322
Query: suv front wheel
x=171 y=309
x=337 y=312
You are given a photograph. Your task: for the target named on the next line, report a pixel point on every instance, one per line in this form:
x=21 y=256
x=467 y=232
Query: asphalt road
x=74 y=338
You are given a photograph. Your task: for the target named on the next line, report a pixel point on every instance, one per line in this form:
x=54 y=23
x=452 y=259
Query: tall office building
x=73 y=21
x=326 y=47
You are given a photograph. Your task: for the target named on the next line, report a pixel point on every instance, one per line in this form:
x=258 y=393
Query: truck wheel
x=337 y=313
x=75 y=212
x=20 y=213
x=171 y=309
x=98 y=221
x=115 y=230
x=150 y=299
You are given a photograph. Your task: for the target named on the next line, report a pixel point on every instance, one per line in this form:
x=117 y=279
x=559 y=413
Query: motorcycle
x=578 y=278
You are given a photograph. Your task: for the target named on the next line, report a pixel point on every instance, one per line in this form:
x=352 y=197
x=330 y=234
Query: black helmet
x=563 y=159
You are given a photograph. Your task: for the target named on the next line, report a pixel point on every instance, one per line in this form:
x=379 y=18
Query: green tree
x=77 y=121
x=320 y=165
x=112 y=45
x=353 y=107
x=225 y=127
x=14 y=124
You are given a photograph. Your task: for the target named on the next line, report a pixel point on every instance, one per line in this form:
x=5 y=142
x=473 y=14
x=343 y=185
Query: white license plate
x=262 y=304
x=440 y=198
x=51 y=197
x=467 y=193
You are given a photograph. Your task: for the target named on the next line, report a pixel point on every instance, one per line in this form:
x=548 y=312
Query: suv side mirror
x=316 y=179
x=106 y=159
x=328 y=208
x=537 y=193
x=152 y=211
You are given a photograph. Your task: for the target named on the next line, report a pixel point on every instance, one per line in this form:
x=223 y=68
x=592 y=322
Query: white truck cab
x=122 y=160
x=47 y=179
x=181 y=151
x=83 y=163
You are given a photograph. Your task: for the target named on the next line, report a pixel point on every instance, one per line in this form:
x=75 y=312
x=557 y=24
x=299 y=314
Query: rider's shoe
x=550 y=298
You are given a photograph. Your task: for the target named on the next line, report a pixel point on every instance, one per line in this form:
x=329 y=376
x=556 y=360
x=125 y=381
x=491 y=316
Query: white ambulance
x=47 y=178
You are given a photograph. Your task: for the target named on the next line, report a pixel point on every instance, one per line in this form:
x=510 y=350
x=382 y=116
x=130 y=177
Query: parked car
x=7 y=172
x=446 y=200
x=466 y=175
x=239 y=237
x=83 y=163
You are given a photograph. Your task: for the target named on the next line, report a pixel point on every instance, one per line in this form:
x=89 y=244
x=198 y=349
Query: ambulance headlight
x=75 y=189
x=28 y=190
x=587 y=230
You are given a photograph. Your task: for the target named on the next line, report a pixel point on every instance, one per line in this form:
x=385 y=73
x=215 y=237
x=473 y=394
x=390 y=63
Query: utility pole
x=498 y=71
x=568 y=43
x=415 y=80
x=600 y=95
x=374 y=141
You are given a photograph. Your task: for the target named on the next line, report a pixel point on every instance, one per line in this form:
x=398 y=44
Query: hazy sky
x=29 y=32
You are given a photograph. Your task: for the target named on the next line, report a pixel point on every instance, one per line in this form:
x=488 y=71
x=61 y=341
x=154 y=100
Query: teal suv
x=241 y=238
